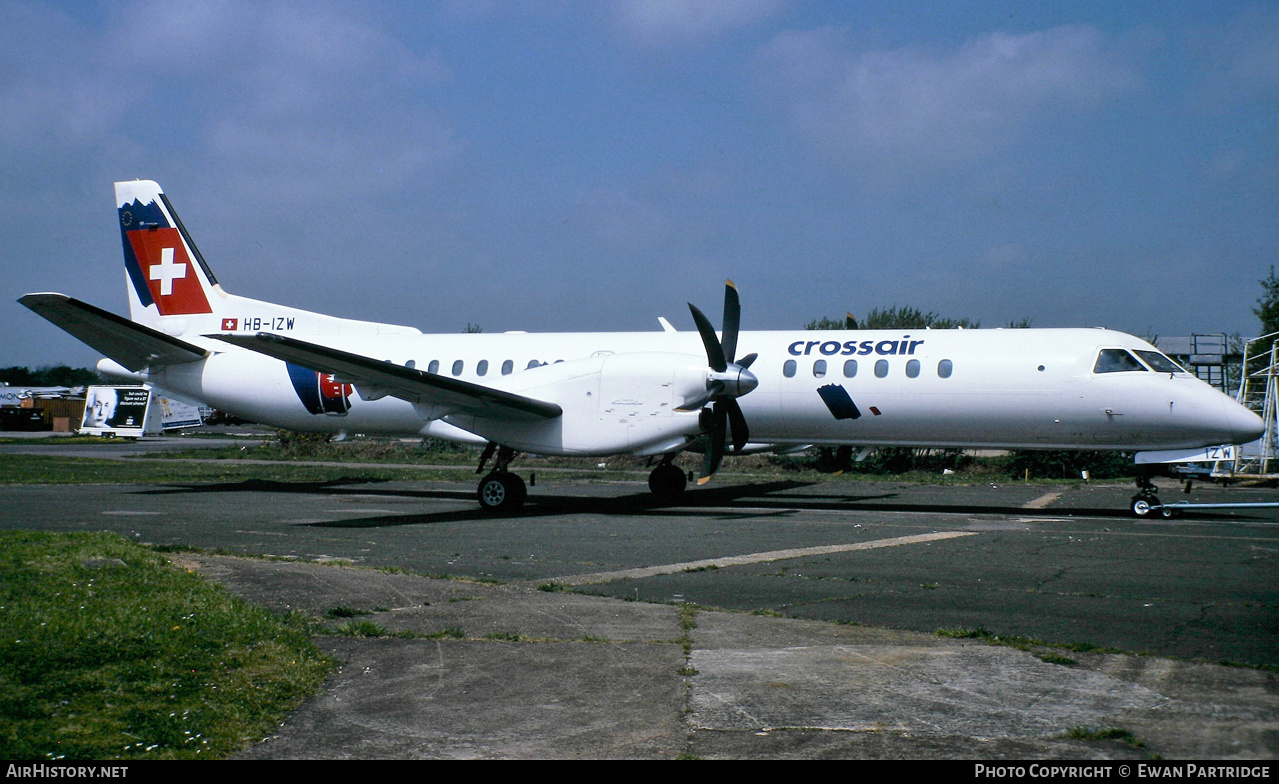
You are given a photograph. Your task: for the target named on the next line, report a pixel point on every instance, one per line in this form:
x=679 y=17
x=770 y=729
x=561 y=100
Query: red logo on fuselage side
x=170 y=275
x=334 y=397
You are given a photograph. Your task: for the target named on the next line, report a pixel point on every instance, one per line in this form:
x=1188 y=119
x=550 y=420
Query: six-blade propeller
x=727 y=380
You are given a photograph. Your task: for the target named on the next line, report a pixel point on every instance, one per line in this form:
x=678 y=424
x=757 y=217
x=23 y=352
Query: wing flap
x=133 y=345
x=388 y=378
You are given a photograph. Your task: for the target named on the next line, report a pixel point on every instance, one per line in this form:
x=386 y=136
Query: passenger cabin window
x=788 y=369
x=1116 y=360
x=945 y=368
x=532 y=363
x=482 y=368
x=507 y=367
x=819 y=368
x=912 y=369
x=881 y=368
x=434 y=367
x=1160 y=363
x=457 y=367
x=850 y=368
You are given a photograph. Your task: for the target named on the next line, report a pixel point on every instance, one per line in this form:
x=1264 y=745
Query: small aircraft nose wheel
x=502 y=492
x=1142 y=505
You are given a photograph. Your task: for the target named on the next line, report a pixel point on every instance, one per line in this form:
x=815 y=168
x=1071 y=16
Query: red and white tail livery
x=172 y=289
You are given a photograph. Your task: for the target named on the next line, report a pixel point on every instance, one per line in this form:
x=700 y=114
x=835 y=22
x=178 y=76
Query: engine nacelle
x=613 y=404
x=649 y=384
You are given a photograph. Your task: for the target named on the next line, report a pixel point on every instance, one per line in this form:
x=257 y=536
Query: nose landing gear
x=1145 y=502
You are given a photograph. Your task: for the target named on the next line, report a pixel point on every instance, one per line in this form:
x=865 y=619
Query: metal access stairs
x=1259 y=392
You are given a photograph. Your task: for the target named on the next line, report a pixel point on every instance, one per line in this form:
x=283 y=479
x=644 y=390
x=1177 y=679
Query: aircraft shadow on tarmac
x=722 y=502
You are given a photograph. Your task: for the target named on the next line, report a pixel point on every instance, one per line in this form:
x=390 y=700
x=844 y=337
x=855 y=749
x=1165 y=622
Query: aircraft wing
x=132 y=345
x=385 y=377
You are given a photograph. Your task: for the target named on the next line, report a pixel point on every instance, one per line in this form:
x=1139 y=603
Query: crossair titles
x=830 y=348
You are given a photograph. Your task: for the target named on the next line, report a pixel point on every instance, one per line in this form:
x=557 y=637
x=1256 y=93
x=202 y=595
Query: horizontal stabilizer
x=415 y=386
x=132 y=345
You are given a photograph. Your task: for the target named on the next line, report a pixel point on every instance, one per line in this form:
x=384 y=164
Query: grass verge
x=1045 y=651
x=108 y=651
x=380 y=457
x=51 y=469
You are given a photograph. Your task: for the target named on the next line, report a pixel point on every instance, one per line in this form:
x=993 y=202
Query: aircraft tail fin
x=172 y=289
x=167 y=275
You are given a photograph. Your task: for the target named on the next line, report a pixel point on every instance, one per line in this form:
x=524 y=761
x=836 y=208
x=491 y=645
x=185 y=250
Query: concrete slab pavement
x=509 y=671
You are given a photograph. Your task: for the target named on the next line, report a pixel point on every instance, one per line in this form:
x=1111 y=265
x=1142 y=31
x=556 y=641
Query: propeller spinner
x=727 y=380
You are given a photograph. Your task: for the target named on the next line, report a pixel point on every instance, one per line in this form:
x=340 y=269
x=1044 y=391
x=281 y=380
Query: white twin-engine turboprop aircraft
x=656 y=393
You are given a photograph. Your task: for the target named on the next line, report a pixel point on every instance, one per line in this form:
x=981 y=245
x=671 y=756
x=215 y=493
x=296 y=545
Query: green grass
x=342 y=611
x=354 y=451
x=361 y=629
x=107 y=651
x=50 y=469
x=379 y=458
x=1029 y=644
x=61 y=440
x=1104 y=733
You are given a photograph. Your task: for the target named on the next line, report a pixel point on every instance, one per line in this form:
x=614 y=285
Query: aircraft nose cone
x=1244 y=425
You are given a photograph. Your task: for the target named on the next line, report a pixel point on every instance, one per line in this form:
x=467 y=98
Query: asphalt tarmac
x=774 y=620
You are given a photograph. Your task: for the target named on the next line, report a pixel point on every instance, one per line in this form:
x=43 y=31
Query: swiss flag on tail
x=170 y=276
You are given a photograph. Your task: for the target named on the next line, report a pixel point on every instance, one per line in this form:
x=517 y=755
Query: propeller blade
x=725 y=413
x=732 y=320
x=737 y=422
x=714 y=352
x=712 y=389
x=715 y=448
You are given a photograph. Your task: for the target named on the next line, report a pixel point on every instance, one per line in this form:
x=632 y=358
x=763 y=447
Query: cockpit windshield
x=1116 y=360
x=1160 y=363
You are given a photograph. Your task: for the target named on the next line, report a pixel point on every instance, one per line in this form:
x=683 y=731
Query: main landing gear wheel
x=667 y=480
x=502 y=492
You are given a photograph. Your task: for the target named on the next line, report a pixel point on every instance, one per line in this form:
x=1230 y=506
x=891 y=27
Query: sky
x=591 y=165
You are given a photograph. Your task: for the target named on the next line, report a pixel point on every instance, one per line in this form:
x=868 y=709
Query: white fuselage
x=1003 y=388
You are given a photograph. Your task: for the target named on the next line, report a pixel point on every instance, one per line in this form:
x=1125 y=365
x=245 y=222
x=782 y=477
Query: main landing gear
x=1145 y=502
x=500 y=490
x=667 y=480
x=504 y=492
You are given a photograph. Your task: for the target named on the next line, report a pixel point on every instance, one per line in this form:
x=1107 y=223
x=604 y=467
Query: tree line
x=49 y=376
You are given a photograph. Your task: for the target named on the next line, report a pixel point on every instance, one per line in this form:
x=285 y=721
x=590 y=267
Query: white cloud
x=915 y=106
x=661 y=22
x=293 y=105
